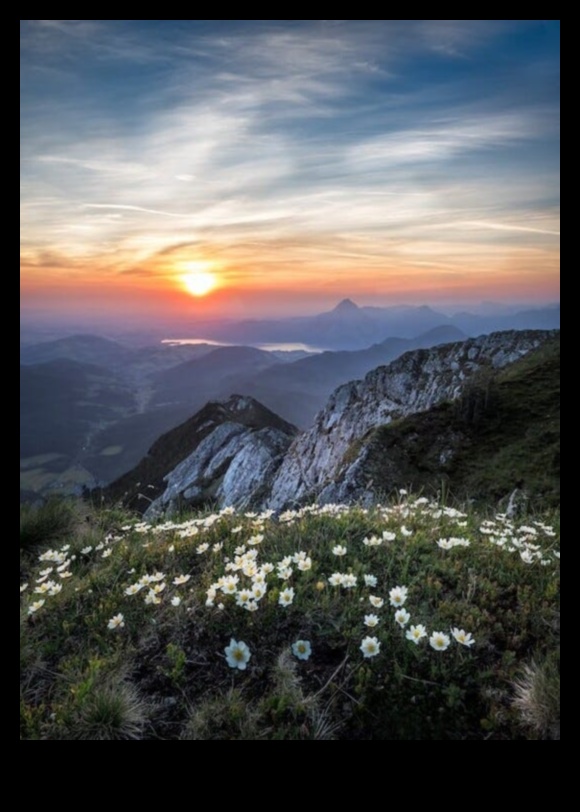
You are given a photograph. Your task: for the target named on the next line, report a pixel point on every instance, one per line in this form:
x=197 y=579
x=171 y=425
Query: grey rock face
x=321 y=464
x=230 y=465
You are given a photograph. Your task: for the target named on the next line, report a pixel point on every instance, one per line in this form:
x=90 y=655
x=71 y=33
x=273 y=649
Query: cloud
x=130 y=208
x=293 y=142
x=510 y=227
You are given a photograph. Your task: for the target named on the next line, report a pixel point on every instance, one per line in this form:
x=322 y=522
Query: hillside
x=322 y=463
x=413 y=621
x=502 y=433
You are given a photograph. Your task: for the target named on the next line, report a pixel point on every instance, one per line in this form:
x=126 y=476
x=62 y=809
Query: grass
x=503 y=432
x=160 y=670
x=53 y=521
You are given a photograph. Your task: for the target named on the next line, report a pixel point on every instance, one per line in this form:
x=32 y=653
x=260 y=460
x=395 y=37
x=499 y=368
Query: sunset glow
x=199 y=280
x=199 y=284
x=298 y=162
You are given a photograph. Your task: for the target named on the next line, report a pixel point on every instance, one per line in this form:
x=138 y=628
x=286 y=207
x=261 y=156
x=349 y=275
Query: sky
x=287 y=163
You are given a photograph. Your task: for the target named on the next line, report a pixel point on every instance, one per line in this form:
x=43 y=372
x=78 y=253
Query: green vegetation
x=502 y=433
x=52 y=522
x=248 y=627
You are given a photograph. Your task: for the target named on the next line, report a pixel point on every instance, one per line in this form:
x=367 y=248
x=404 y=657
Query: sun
x=199 y=280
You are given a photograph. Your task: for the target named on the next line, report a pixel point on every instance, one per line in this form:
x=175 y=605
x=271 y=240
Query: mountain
x=224 y=452
x=83 y=422
x=350 y=327
x=319 y=461
x=345 y=327
x=501 y=433
x=87 y=349
x=297 y=391
x=542 y=318
x=346 y=307
x=465 y=395
x=135 y=363
x=195 y=382
x=63 y=404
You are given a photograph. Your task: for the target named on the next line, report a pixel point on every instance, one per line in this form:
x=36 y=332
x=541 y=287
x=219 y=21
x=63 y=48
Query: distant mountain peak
x=345 y=306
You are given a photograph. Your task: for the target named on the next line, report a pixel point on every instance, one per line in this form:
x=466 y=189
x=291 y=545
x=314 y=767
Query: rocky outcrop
x=231 y=467
x=234 y=448
x=322 y=462
x=238 y=453
x=225 y=452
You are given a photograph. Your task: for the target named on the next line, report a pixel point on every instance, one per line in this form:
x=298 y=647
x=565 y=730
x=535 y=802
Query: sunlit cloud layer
x=389 y=159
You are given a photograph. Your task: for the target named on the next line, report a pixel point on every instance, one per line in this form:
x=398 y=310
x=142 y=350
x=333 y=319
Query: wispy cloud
x=282 y=144
x=130 y=208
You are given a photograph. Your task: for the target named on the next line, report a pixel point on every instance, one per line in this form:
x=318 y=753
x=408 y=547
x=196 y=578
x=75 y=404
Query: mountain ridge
x=320 y=464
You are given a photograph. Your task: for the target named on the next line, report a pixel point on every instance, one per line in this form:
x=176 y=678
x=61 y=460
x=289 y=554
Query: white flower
x=462 y=637
x=237 y=654
x=375 y=601
x=181 y=579
x=398 y=595
x=336 y=579
x=373 y=541
x=370 y=647
x=55 y=589
x=133 y=589
x=229 y=585
x=416 y=633
x=152 y=598
x=439 y=641
x=256 y=539
x=106 y=553
x=388 y=536
x=284 y=573
x=402 y=617
x=258 y=590
x=348 y=581
x=243 y=596
x=371 y=620
x=339 y=549
x=34 y=607
x=302 y=649
x=86 y=550
x=305 y=564
x=116 y=622
x=23 y=588
x=370 y=580
x=176 y=600
x=286 y=597
x=405 y=531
